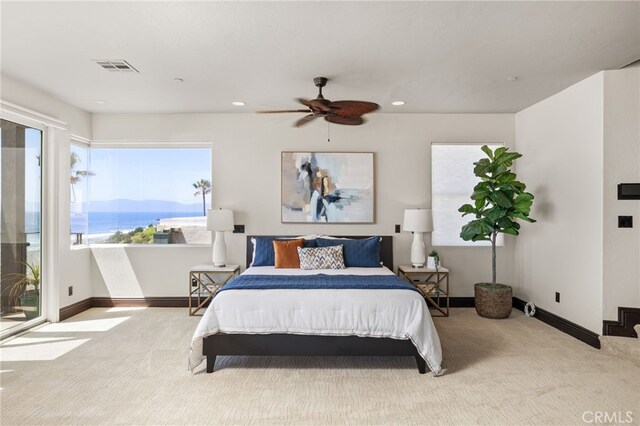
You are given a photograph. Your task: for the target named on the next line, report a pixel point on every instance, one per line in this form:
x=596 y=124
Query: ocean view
x=109 y=222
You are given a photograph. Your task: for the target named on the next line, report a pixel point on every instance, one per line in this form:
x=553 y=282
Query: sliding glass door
x=20 y=230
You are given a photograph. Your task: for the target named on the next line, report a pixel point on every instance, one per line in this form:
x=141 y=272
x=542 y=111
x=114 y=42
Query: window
x=79 y=193
x=149 y=195
x=20 y=230
x=452 y=182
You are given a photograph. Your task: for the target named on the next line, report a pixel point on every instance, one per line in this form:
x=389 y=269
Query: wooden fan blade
x=349 y=121
x=304 y=120
x=352 y=108
x=316 y=104
x=282 y=111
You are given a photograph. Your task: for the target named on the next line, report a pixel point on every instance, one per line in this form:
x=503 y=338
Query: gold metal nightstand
x=430 y=283
x=203 y=285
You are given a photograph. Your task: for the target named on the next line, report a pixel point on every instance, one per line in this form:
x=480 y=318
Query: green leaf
x=483 y=167
x=487 y=151
x=506 y=177
x=499 y=151
x=499 y=198
x=521 y=186
x=507 y=158
x=469 y=232
x=521 y=216
x=481 y=203
x=467 y=209
x=479 y=195
x=510 y=231
x=495 y=213
x=505 y=223
x=482 y=186
x=523 y=203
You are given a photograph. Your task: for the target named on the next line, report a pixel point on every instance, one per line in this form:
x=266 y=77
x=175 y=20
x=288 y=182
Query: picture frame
x=327 y=187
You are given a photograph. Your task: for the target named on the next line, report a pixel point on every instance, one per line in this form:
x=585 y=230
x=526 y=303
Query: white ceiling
x=438 y=57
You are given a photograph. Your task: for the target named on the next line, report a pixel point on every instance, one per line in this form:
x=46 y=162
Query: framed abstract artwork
x=327 y=187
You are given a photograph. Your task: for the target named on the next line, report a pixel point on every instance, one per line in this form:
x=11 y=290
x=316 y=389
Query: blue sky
x=148 y=174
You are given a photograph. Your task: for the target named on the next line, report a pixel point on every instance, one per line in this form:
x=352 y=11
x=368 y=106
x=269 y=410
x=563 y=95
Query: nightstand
x=433 y=284
x=205 y=281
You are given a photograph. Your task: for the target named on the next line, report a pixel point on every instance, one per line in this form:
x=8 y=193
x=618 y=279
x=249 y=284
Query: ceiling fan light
x=238 y=103
x=398 y=103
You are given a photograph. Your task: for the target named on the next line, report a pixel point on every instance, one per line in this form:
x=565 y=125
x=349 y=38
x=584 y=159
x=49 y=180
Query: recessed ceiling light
x=397 y=103
x=238 y=103
x=178 y=79
x=100 y=101
x=512 y=78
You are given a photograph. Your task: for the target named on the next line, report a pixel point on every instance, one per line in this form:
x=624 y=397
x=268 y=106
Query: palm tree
x=74 y=160
x=203 y=187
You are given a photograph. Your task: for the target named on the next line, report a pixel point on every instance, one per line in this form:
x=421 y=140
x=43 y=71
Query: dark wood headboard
x=386 y=247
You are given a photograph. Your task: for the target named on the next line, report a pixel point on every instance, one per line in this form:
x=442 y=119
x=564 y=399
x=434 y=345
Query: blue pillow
x=263 y=253
x=362 y=253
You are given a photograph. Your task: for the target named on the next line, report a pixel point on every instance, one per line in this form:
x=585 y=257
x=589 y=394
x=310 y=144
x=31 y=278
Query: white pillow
x=321 y=257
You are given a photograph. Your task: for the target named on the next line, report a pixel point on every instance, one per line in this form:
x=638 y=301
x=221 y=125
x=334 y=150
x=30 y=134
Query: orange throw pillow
x=287 y=253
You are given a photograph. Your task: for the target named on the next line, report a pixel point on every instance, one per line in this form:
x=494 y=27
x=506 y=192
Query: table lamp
x=418 y=221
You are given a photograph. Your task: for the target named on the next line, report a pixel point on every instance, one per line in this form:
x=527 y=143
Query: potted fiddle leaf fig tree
x=499 y=200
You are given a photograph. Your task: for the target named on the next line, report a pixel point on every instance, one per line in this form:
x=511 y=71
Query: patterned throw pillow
x=321 y=257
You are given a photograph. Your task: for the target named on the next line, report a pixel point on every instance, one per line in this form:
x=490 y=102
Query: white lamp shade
x=220 y=220
x=417 y=220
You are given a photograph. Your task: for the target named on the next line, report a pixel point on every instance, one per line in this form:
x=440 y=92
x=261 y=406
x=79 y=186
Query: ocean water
x=106 y=222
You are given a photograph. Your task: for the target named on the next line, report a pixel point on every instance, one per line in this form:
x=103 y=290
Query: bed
x=310 y=321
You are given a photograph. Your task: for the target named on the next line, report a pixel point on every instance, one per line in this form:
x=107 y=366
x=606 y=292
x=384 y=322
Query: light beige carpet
x=123 y=366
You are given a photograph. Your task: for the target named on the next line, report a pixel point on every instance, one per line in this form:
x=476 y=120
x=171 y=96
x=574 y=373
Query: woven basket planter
x=493 y=300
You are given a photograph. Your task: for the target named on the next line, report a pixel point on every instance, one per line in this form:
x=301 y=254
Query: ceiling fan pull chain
x=328 y=132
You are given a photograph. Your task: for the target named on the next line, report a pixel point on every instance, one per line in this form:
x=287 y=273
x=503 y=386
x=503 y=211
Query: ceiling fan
x=338 y=112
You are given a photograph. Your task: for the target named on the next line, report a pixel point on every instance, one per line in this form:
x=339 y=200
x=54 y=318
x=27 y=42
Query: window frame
x=152 y=144
x=464 y=244
x=81 y=142
x=51 y=129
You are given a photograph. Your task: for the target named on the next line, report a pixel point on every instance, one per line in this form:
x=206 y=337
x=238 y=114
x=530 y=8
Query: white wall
x=246 y=178
x=72 y=266
x=621 y=279
x=561 y=139
x=17 y=92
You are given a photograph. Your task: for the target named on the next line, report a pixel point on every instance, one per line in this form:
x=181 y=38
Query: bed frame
x=306 y=345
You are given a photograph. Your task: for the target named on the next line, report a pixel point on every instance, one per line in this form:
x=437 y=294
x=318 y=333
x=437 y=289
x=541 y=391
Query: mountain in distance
x=143 y=206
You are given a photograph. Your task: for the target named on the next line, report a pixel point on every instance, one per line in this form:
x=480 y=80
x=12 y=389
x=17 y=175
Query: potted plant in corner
x=498 y=201
x=26 y=289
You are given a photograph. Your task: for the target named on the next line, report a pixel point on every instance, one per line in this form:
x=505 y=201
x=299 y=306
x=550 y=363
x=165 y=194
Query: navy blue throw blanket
x=318 y=281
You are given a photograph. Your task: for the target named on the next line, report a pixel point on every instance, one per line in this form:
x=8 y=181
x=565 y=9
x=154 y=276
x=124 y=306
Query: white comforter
x=397 y=314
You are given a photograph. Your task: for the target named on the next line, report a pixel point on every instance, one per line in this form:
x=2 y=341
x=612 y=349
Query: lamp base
x=418 y=250
x=219 y=250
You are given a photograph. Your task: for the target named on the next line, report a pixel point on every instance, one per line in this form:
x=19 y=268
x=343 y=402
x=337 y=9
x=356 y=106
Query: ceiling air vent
x=115 y=65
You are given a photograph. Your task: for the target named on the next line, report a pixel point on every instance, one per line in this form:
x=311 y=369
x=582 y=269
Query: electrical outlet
x=238 y=229
x=397 y=229
x=625 y=221
x=557 y=297
x=70 y=290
